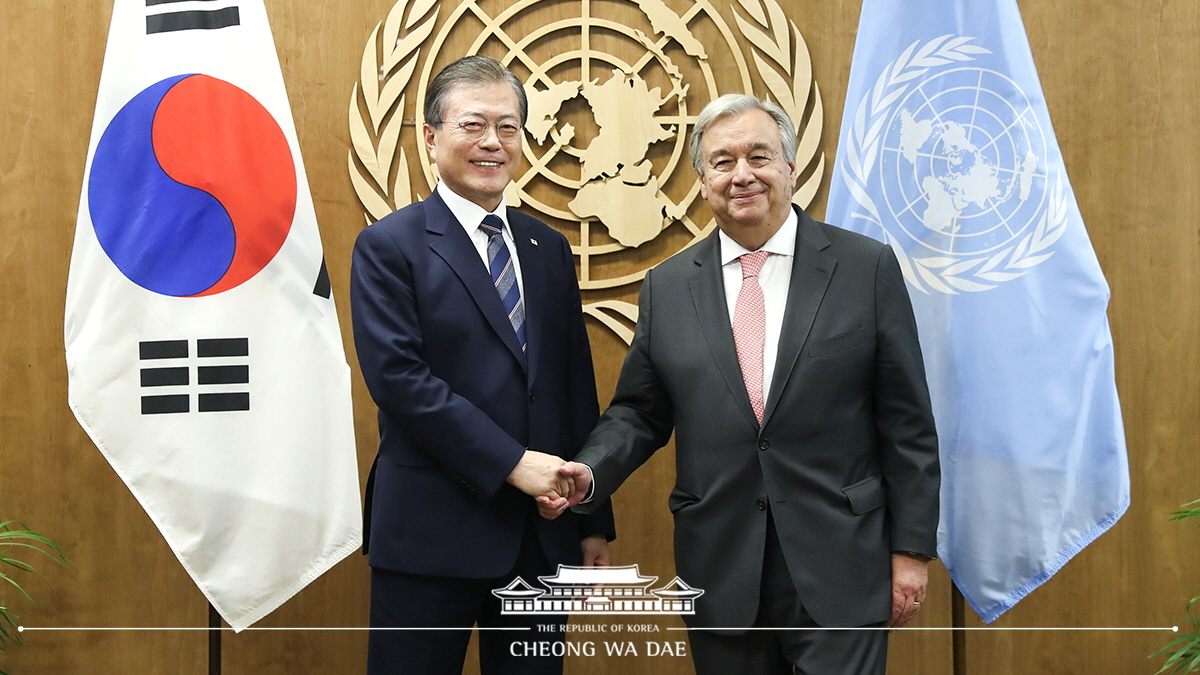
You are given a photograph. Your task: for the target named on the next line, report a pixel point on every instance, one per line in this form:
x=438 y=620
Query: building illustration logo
x=598 y=590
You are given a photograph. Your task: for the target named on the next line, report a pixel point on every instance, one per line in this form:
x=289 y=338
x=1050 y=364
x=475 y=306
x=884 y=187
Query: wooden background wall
x=1123 y=85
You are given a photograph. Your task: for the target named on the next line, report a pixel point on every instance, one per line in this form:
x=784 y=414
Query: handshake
x=554 y=483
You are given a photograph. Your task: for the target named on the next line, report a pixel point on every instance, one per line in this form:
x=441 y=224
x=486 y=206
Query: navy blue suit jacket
x=458 y=402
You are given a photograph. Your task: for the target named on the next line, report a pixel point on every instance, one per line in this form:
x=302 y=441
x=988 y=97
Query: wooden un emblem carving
x=614 y=87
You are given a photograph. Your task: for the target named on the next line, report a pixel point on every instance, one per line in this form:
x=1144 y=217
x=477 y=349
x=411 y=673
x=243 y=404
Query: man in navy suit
x=469 y=331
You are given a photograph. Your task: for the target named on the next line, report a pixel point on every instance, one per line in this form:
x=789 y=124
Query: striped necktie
x=504 y=275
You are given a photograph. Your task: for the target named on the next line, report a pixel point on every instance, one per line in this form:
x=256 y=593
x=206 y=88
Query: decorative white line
x=22 y=629
x=1173 y=629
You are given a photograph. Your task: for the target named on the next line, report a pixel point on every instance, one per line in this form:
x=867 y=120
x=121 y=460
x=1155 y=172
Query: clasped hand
x=555 y=483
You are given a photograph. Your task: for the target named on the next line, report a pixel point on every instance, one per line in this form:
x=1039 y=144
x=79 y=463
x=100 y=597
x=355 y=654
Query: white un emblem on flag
x=958 y=156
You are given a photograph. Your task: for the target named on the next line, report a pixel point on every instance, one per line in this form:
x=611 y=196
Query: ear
x=703 y=188
x=430 y=142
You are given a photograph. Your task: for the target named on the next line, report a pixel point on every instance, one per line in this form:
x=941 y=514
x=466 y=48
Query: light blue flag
x=946 y=152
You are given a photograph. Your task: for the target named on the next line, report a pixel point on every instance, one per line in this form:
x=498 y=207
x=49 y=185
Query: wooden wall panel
x=1121 y=83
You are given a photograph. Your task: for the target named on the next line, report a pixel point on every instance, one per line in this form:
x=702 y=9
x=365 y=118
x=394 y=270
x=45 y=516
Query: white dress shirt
x=470 y=215
x=775 y=277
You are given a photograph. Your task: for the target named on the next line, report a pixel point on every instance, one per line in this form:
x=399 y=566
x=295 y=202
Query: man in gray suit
x=783 y=353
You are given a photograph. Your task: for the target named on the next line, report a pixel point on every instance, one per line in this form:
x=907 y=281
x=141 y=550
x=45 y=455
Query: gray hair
x=474 y=69
x=735 y=104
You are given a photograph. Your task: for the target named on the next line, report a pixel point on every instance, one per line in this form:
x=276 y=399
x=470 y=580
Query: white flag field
x=202 y=342
x=947 y=153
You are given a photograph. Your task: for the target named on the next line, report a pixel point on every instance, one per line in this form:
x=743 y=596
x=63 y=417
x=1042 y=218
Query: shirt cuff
x=591 y=484
x=922 y=556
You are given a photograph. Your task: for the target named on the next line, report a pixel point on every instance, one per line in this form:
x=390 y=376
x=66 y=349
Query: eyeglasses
x=725 y=163
x=475 y=130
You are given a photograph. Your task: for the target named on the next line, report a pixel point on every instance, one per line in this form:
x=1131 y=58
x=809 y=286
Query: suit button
x=764 y=444
x=762 y=505
x=532 y=398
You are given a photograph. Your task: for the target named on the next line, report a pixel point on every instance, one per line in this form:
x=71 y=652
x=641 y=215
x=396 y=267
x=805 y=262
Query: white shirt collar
x=468 y=213
x=782 y=243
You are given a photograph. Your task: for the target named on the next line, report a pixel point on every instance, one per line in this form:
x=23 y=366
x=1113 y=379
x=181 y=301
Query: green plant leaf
x=1187 y=513
x=20 y=537
x=15 y=538
x=5 y=577
x=19 y=564
x=8 y=629
x=1183 y=652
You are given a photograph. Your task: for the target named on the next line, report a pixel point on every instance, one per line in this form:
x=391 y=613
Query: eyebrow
x=726 y=152
x=504 y=117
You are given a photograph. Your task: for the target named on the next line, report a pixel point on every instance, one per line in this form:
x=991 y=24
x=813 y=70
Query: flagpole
x=214 y=641
x=958 y=620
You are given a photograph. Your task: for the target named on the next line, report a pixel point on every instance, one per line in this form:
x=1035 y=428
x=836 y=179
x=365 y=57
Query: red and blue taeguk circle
x=193 y=187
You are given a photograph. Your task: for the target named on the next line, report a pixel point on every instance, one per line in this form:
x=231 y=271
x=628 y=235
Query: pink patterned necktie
x=750 y=327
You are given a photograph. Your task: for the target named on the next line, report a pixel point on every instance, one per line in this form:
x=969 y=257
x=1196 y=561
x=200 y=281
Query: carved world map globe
x=614 y=87
x=610 y=103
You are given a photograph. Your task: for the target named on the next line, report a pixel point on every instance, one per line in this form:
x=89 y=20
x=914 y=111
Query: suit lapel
x=812 y=268
x=451 y=243
x=533 y=273
x=708 y=294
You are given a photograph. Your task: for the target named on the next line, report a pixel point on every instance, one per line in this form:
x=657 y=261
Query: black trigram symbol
x=199 y=19
x=168 y=367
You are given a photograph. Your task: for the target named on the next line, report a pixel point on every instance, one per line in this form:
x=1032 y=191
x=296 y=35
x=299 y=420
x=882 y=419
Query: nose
x=491 y=137
x=742 y=172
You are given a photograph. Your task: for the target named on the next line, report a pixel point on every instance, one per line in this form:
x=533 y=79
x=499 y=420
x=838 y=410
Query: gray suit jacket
x=846 y=459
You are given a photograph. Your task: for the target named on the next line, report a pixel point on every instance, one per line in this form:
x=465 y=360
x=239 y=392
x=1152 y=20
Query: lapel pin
x=533 y=241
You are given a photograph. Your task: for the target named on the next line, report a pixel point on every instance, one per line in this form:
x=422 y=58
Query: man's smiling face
x=747 y=179
x=477 y=170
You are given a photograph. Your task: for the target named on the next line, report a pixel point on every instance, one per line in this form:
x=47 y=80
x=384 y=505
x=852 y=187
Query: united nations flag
x=947 y=154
